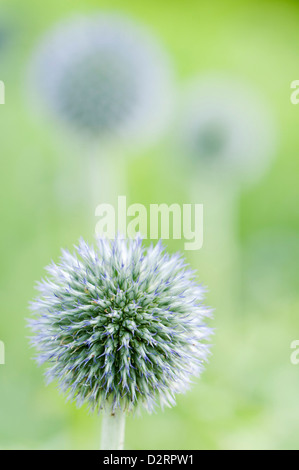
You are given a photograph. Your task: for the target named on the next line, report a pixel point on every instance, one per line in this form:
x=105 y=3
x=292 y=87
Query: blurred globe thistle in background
x=104 y=77
x=107 y=83
x=227 y=128
x=121 y=326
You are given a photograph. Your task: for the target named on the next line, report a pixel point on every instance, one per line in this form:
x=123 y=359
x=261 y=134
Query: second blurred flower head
x=227 y=127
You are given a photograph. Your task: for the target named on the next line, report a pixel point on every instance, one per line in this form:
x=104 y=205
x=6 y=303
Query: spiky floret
x=121 y=325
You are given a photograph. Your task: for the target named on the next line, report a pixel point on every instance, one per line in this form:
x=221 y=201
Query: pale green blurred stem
x=113 y=430
x=219 y=257
x=106 y=179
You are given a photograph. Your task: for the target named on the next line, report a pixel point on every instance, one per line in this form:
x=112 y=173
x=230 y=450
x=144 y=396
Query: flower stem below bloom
x=113 y=430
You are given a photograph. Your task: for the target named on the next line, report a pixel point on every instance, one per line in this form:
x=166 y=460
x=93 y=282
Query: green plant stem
x=113 y=430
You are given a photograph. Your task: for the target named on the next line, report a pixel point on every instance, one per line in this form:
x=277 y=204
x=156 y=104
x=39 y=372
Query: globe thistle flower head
x=121 y=326
x=227 y=128
x=103 y=77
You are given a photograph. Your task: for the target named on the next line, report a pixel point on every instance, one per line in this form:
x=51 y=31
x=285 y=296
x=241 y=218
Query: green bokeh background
x=248 y=395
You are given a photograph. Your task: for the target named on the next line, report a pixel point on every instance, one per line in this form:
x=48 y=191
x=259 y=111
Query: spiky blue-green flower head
x=120 y=325
x=104 y=77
